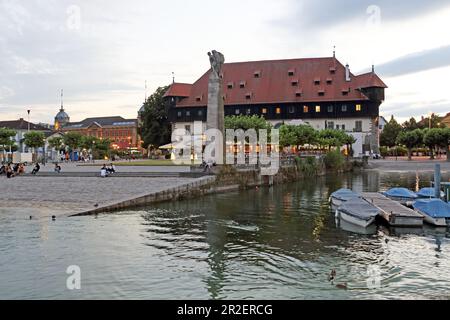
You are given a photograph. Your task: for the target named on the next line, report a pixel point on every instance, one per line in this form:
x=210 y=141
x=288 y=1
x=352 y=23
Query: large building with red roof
x=321 y=92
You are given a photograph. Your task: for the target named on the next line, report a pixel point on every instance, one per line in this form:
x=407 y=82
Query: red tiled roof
x=275 y=84
x=370 y=79
x=179 y=90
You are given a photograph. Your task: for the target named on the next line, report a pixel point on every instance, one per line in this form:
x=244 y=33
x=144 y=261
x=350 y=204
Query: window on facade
x=338 y=127
x=278 y=110
x=200 y=113
x=305 y=109
x=291 y=109
x=344 y=108
x=188 y=113
x=330 y=125
x=180 y=114
x=317 y=108
x=264 y=110
x=249 y=111
x=358 y=107
x=330 y=108
x=343 y=127
x=237 y=112
x=358 y=126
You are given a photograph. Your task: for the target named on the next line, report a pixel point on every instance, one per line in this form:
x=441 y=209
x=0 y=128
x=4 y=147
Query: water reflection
x=277 y=243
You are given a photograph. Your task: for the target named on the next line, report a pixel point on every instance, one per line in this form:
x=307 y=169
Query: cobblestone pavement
x=66 y=195
x=73 y=167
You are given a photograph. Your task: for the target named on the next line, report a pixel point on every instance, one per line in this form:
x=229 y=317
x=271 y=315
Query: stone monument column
x=216 y=111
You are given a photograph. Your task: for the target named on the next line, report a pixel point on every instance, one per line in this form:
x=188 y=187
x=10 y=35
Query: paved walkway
x=74 y=167
x=392 y=165
x=70 y=195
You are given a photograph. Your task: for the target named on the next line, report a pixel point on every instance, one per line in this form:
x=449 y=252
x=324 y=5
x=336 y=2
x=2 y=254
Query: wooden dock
x=396 y=214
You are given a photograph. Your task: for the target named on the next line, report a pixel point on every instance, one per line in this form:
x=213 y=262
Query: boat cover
x=360 y=209
x=401 y=193
x=435 y=208
x=428 y=193
x=345 y=194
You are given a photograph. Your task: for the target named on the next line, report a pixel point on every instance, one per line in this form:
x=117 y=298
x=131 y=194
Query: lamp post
x=28 y=111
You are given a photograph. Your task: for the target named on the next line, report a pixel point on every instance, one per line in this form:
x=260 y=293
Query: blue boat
x=428 y=193
x=402 y=195
x=435 y=211
x=341 y=196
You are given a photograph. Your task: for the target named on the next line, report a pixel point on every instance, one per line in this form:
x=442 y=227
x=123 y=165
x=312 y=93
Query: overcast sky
x=102 y=51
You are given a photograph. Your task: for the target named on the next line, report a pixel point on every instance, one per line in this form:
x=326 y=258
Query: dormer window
x=199 y=98
x=230 y=85
x=317 y=81
x=257 y=74
x=329 y=81
x=333 y=70
x=345 y=91
x=248 y=95
x=298 y=93
x=294 y=83
x=242 y=84
x=291 y=72
x=321 y=92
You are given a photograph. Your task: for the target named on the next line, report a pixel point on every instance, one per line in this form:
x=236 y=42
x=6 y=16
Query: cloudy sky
x=102 y=51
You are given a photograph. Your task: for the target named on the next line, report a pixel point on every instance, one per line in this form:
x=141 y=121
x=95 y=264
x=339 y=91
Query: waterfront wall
x=226 y=179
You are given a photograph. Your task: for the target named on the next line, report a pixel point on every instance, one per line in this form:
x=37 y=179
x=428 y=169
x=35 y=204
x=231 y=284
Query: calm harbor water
x=278 y=243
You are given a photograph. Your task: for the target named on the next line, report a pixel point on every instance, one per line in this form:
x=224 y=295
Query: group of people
x=107 y=170
x=13 y=170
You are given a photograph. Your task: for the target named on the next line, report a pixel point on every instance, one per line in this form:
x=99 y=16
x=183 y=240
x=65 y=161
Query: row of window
x=331 y=125
x=292 y=109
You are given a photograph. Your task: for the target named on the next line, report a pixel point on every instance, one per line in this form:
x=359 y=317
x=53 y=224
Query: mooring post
x=437 y=181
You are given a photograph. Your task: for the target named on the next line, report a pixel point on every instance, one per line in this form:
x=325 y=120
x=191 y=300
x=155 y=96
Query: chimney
x=347 y=73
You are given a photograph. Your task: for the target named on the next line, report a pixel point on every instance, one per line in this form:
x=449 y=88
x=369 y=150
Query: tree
x=291 y=135
x=6 y=140
x=331 y=138
x=56 y=143
x=390 y=133
x=433 y=138
x=411 y=124
x=73 y=140
x=247 y=122
x=34 y=140
x=156 y=129
x=446 y=140
x=410 y=139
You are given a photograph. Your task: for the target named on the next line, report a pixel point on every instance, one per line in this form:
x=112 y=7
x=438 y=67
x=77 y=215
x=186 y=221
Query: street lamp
x=28 y=111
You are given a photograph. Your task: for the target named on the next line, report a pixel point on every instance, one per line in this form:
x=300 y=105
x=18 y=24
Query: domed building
x=61 y=119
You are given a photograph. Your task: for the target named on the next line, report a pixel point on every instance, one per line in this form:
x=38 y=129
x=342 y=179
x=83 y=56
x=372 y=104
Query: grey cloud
x=325 y=13
x=416 y=62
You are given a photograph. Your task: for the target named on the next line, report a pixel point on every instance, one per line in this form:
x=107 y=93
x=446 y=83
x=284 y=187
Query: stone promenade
x=72 y=195
x=403 y=165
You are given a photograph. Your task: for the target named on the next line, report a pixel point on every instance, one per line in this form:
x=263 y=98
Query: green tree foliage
x=411 y=124
x=332 y=138
x=6 y=136
x=291 y=135
x=156 y=129
x=247 y=122
x=34 y=139
x=56 y=143
x=446 y=141
x=390 y=133
x=434 y=138
x=410 y=139
x=73 y=140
